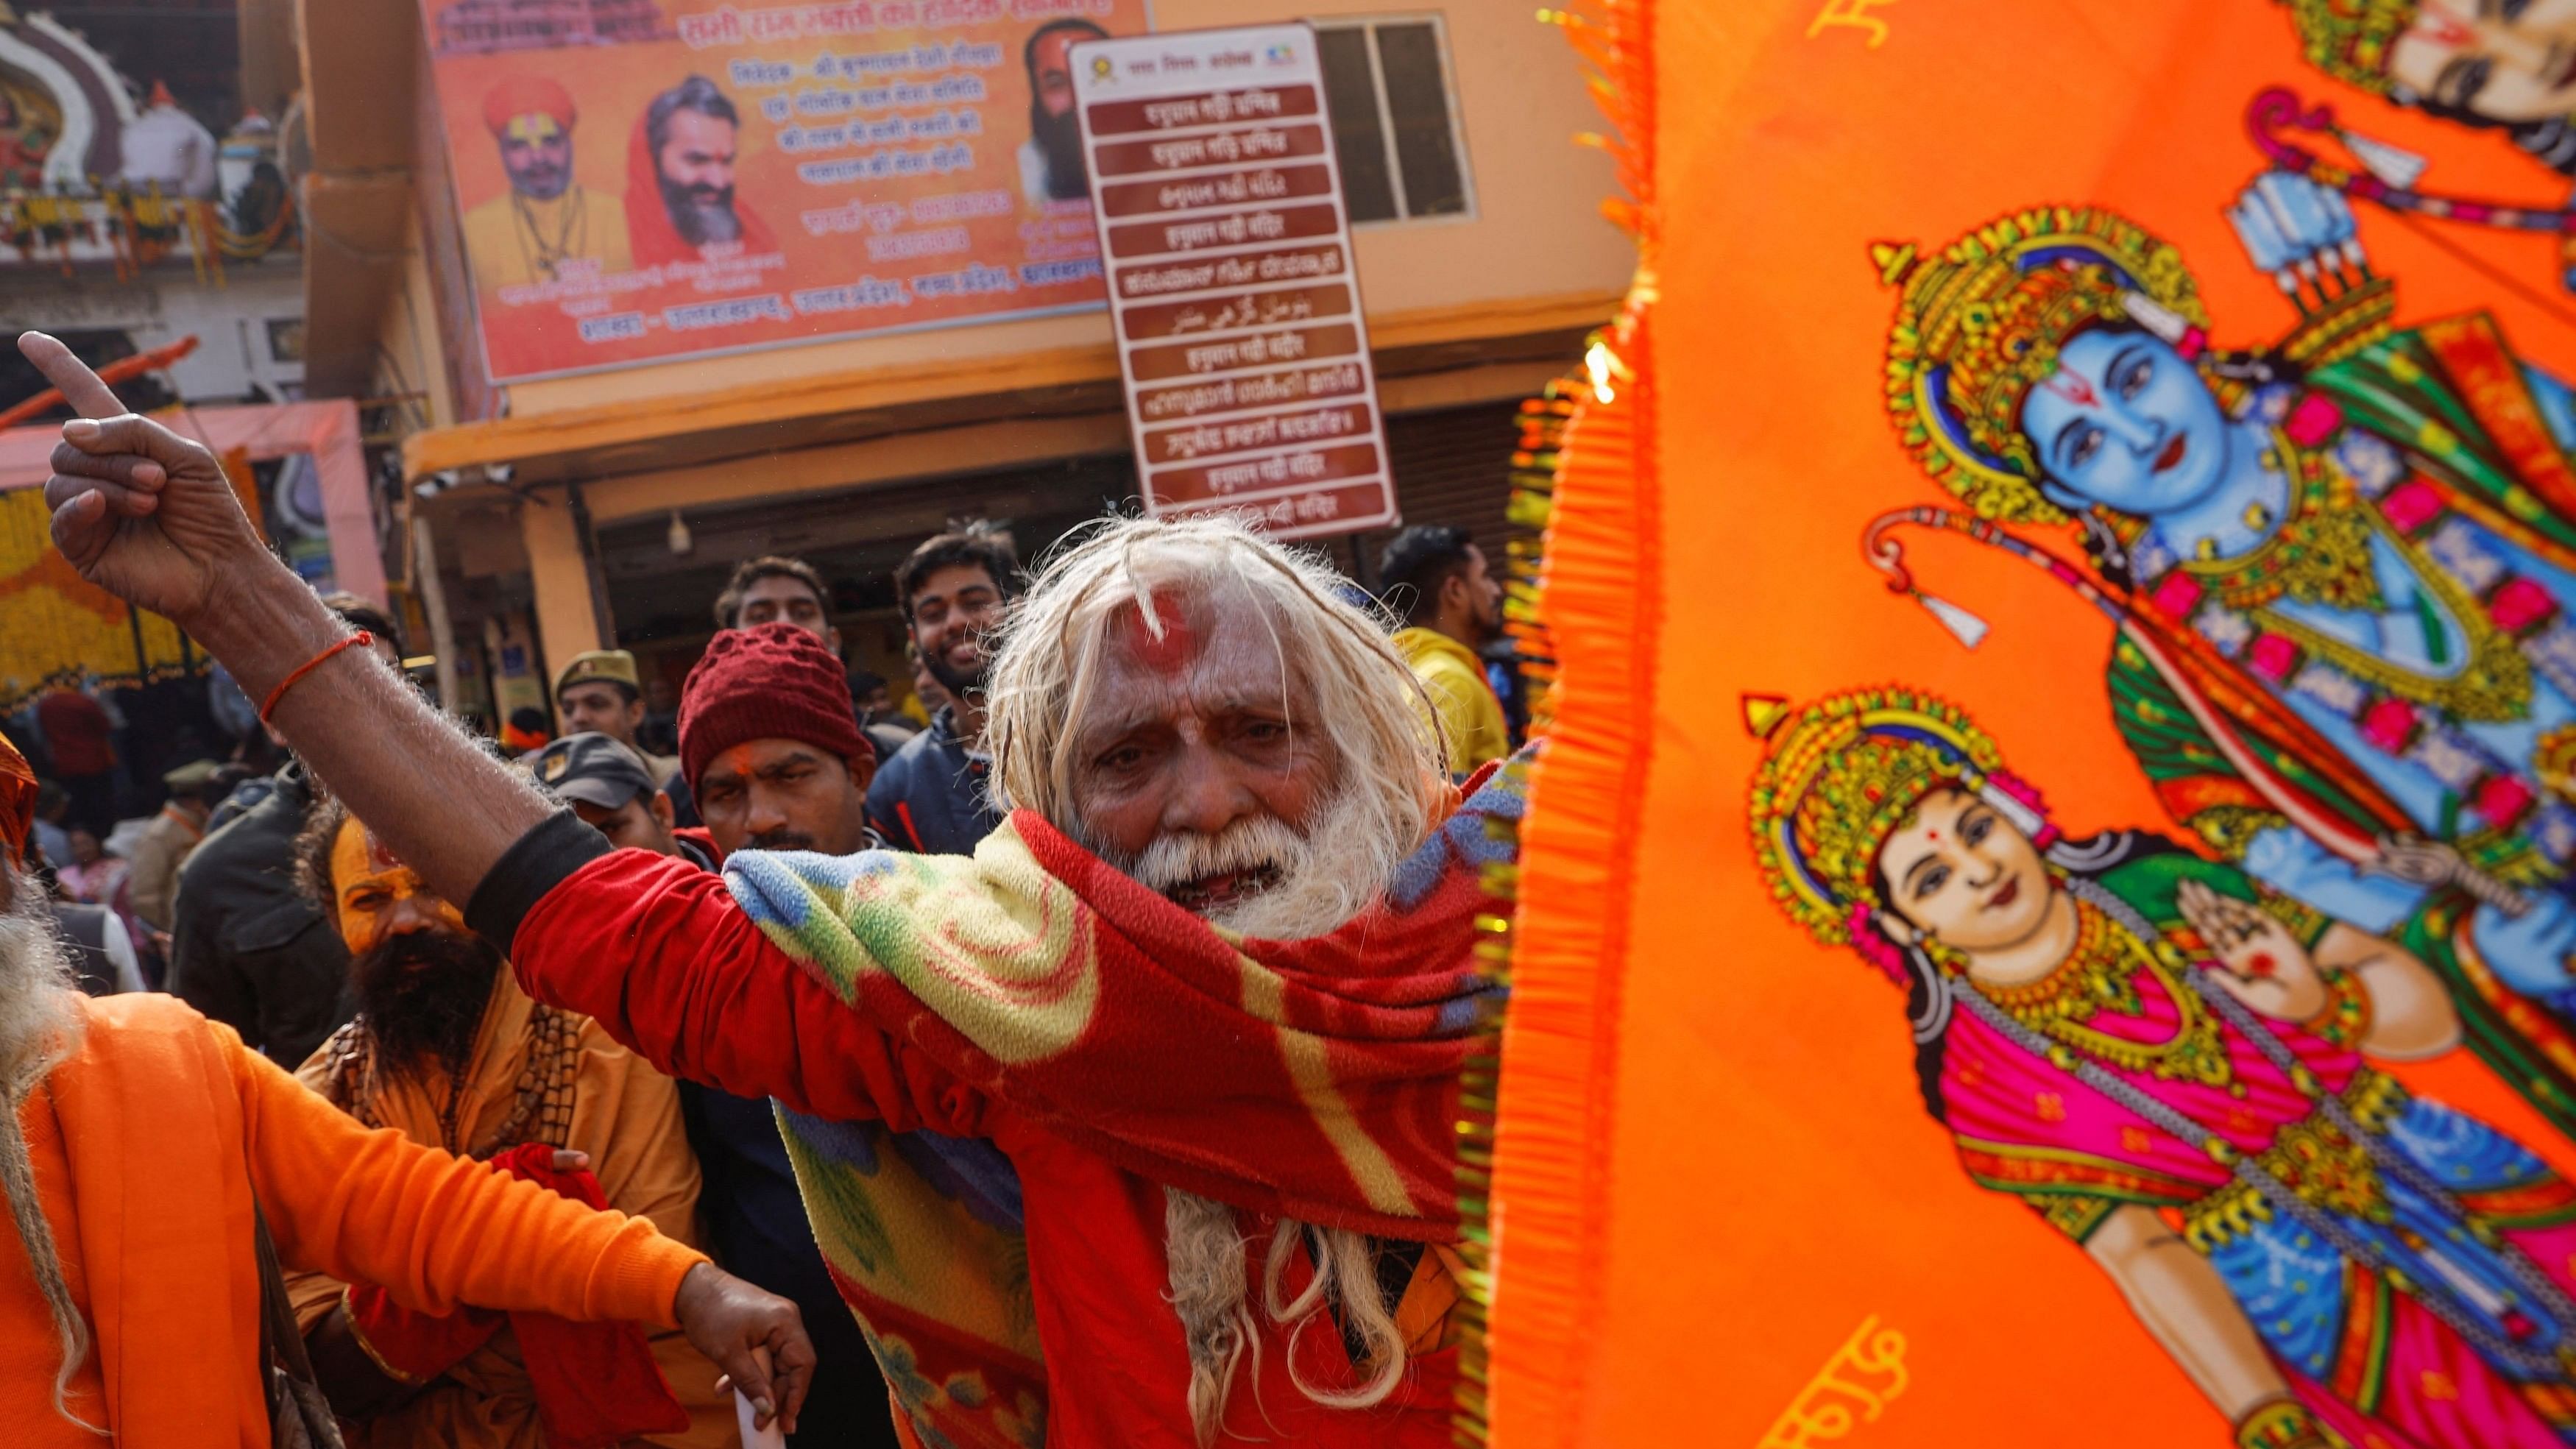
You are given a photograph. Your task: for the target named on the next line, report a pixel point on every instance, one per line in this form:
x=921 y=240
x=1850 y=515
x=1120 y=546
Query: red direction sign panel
x=1231 y=284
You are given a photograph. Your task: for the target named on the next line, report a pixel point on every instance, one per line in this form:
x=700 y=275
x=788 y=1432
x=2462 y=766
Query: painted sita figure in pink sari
x=2173 y=1068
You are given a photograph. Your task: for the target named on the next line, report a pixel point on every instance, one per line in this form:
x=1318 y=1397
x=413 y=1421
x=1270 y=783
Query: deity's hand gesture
x=2260 y=962
x=140 y=511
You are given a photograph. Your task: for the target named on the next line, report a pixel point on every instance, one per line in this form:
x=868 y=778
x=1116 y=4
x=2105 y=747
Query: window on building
x=1395 y=123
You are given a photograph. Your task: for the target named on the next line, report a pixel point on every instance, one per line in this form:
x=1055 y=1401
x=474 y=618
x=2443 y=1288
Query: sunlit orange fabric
x=1715 y=1166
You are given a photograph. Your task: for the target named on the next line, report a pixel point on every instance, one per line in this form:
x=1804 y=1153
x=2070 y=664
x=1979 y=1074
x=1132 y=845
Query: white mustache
x=1177 y=858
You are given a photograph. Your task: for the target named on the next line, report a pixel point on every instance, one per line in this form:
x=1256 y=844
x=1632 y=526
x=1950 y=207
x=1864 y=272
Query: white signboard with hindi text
x=1231 y=283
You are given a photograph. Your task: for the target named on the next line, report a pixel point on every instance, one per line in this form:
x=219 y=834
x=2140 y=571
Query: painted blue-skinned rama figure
x=2341 y=569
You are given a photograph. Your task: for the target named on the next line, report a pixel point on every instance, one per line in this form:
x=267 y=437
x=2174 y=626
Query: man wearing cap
x=612 y=790
x=769 y=738
x=167 y=840
x=601 y=691
x=547 y=227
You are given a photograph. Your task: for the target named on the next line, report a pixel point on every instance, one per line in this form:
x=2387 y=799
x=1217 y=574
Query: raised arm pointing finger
x=137 y=509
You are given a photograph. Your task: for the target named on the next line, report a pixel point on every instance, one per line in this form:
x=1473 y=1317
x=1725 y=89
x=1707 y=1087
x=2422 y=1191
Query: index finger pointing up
x=81 y=387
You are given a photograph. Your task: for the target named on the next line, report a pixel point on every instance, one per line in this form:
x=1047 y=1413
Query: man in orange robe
x=447 y=1050
x=139 y=1137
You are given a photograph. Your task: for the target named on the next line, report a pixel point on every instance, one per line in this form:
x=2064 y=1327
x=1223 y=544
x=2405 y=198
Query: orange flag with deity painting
x=2048 y=909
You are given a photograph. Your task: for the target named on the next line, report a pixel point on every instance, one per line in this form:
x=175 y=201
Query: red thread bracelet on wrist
x=362 y=637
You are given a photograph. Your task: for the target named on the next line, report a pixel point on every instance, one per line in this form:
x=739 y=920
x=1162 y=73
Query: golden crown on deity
x=1980 y=324
x=1843 y=774
x=2350 y=39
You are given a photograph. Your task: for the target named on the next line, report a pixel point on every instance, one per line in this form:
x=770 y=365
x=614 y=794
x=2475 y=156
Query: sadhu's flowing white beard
x=39 y=1026
x=1211 y=1292
x=1324 y=875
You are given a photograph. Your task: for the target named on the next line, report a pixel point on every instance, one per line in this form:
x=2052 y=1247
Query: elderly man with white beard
x=1137 y=1128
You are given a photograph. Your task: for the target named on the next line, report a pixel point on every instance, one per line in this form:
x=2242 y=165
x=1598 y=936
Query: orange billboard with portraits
x=640 y=180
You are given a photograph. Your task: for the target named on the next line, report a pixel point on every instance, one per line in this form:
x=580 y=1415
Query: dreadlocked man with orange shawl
x=122 y=1318
x=2171 y=1065
x=2342 y=571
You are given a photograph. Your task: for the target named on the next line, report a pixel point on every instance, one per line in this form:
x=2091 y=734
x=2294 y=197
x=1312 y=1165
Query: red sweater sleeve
x=658 y=953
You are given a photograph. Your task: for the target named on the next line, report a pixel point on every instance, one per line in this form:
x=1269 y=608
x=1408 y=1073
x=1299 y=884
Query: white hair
x=40 y=1026
x=1335 y=654
x=1341 y=675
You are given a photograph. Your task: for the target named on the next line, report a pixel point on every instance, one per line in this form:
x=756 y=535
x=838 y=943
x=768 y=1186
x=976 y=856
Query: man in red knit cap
x=769 y=743
x=1200 y=1011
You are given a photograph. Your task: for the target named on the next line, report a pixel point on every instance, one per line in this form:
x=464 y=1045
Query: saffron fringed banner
x=2047 y=913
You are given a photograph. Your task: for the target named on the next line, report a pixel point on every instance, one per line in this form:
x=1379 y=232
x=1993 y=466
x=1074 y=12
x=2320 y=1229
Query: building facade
x=579 y=511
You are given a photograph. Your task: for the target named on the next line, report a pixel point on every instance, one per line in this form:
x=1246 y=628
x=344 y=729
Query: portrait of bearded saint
x=2338 y=569
x=2505 y=67
x=2172 y=1065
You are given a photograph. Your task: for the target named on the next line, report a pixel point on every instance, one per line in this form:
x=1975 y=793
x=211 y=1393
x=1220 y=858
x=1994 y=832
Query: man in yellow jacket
x=1436 y=579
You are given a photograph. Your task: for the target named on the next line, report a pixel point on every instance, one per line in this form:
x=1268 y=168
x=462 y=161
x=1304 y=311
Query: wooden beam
x=665 y=431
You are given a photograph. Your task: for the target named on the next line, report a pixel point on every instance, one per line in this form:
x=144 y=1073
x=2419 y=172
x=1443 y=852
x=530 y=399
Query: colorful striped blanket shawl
x=1317 y=1079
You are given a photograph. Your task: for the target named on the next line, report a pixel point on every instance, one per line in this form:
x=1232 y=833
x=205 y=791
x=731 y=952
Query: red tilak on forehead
x=379 y=858
x=1167 y=654
x=2072 y=388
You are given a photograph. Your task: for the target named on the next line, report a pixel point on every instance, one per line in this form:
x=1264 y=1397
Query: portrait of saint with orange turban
x=548 y=226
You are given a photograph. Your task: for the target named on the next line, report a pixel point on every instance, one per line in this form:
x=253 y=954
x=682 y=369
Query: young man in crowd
x=1452 y=606
x=775 y=590
x=779 y=763
x=248 y=945
x=932 y=796
x=447 y=1050
x=599 y=691
x=139 y=1139
x=1201 y=882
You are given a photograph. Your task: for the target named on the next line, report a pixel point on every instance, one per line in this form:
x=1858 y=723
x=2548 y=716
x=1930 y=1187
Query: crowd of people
x=1076 y=1061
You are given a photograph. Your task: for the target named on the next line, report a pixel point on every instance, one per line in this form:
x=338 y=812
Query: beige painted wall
x=1536 y=231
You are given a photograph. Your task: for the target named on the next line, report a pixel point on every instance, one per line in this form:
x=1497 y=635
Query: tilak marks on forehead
x=359 y=852
x=1159 y=632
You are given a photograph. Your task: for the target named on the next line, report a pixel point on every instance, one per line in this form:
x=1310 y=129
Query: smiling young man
x=934 y=795
x=1161 y=1107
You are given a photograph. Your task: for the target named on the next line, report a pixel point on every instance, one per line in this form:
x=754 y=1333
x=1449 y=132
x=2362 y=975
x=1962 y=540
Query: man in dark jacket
x=247 y=947
x=768 y=740
x=931 y=796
